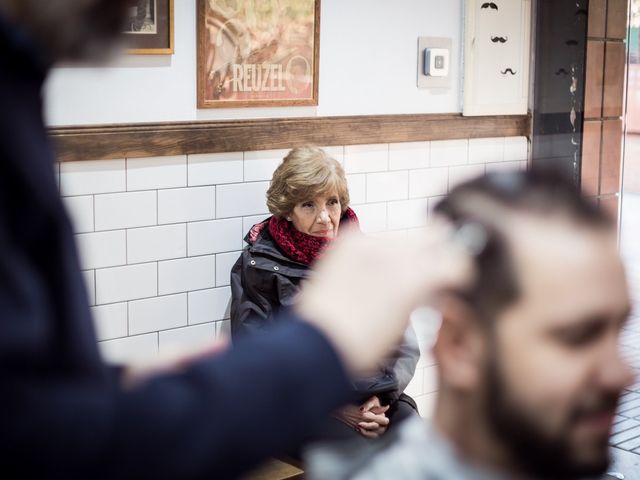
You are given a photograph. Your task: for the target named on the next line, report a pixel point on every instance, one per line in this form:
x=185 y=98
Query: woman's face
x=319 y=216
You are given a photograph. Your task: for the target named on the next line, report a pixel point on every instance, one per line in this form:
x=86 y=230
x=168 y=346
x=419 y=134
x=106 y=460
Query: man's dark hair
x=540 y=192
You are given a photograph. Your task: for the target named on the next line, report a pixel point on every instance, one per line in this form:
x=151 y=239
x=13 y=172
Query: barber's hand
x=363 y=290
x=367 y=419
x=136 y=374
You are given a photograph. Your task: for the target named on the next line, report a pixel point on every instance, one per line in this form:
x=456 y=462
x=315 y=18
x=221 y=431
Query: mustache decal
x=562 y=71
x=571 y=43
x=489 y=5
x=499 y=39
x=508 y=70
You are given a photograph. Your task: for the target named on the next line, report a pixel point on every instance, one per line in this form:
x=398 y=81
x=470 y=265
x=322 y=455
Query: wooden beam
x=160 y=139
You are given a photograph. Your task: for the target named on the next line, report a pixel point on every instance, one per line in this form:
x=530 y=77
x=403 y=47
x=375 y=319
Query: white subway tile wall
x=157 y=237
x=186 y=274
x=486 y=150
x=260 y=165
x=102 y=249
x=126 y=283
x=407 y=213
x=150 y=244
x=81 y=213
x=224 y=263
x=387 y=186
x=372 y=216
x=241 y=199
x=462 y=173
x=215 y=168
x=125 y=210
x=357 y=188
x=110 y=320
x=209 y=305
x=515 y=148
x=156 y=172
x=410 y=155
x=366 y=158
x=215 y=236
x=92 y=177
x=186 y=204
x=158 y=313
x=428 y=182
x=449 y=152
x=181 y=340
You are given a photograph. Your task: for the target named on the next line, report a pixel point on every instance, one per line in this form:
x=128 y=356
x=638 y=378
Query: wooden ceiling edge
x=75 y=143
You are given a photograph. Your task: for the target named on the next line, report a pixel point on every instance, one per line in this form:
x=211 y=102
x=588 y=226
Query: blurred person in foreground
x=63 y=412
x=529 y=366
x=309 y=200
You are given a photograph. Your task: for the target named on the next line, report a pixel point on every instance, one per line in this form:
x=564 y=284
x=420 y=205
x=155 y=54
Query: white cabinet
x=496 y=57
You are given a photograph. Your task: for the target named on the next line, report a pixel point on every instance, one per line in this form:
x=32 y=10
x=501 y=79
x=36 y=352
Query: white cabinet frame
x=489 y=88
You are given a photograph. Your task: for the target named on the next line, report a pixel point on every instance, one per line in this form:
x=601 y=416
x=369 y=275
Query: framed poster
x=257 y=53
x=149 y=28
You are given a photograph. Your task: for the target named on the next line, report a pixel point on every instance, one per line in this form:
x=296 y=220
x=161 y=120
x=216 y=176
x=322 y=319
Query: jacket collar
x=261 y=241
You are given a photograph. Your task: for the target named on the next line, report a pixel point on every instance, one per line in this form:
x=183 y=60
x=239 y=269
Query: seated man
x=529 y=367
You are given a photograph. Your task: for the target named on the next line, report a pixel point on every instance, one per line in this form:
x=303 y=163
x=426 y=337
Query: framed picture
x=258 y=53
x=149 y=29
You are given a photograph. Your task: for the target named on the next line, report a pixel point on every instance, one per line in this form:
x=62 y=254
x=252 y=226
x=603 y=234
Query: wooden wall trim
x=160 y=139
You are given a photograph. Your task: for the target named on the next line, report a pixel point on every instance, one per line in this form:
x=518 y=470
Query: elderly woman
x=309 y=200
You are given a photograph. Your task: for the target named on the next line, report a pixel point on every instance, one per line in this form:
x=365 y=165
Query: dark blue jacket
x=63 y=413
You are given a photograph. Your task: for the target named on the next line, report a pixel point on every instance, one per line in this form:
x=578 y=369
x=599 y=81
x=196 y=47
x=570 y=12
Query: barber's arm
x=217 y=418
x=251 y=402
x=65 y=414
x=222 y=415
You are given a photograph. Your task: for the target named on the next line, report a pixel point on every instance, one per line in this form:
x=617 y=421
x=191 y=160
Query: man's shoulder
x=392 y=456
x=415 y=451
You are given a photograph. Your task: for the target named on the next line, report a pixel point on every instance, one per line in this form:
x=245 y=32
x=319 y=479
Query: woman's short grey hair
x=305 y=173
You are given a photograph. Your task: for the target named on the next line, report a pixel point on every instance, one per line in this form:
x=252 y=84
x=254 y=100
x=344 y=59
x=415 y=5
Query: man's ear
x=461 y=346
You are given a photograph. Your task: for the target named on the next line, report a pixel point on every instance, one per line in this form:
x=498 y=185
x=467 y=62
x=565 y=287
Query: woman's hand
x=368 y=419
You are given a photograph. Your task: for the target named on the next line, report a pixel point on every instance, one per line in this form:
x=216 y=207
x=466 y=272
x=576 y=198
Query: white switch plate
x=431 y=81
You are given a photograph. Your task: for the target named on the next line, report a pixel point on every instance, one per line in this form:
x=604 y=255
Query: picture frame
x=150 y=28
x=257 y=53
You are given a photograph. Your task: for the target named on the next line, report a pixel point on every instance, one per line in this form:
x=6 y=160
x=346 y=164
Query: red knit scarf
x=299 y=246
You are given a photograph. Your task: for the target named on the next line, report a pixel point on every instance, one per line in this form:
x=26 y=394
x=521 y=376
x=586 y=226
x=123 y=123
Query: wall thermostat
x=436 y=62
x=435 y=67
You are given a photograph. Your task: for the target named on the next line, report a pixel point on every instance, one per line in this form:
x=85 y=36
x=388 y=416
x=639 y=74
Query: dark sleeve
x=250 y=310
x=256 y=296
x=215 y=420
x=402 y=365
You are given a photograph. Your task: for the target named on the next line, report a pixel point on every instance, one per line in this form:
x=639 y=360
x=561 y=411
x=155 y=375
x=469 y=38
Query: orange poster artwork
x=254 y=53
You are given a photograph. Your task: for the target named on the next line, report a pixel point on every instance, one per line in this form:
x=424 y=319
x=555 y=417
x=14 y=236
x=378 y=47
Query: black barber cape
x=62 y=411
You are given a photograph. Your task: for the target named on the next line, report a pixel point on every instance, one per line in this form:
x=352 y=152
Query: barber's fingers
x=440 y=259
x=374 y=285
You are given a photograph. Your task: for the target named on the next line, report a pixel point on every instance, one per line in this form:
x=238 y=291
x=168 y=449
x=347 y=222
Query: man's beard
x=535 y=452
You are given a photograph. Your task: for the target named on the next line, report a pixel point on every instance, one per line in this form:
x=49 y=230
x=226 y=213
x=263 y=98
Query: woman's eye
x=307 y=205
x=333 y=201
